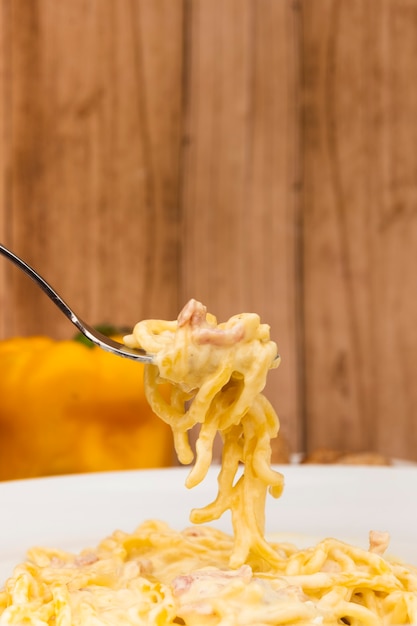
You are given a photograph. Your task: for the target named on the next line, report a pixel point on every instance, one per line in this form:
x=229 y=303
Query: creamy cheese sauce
x=212 y=375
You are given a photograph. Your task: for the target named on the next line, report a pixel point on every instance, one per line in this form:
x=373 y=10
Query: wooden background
x=255 y=154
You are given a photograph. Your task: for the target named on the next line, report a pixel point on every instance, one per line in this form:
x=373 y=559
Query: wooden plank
x=360 y=227
x=95 y=139
x=239 y=174
x=394 y=189
x=4 y=78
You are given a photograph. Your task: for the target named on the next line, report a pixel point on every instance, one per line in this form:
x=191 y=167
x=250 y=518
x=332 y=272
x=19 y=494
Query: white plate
x=75 y=512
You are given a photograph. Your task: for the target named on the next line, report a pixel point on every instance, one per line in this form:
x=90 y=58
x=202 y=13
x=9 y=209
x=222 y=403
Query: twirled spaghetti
x=213 y=375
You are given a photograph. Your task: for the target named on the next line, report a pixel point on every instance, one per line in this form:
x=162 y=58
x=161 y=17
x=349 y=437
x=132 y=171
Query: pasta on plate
x=212 y=375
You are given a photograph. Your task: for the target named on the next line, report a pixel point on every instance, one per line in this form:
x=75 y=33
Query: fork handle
x=104 y=342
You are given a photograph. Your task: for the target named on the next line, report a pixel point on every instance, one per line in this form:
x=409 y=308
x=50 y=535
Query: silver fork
x=106 y=343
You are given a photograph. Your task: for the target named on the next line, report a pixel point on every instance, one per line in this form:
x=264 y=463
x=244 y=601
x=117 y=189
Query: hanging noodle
x=216 y=373
x=212 y=376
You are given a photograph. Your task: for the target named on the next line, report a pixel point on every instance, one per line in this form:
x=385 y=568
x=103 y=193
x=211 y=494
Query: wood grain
x=239 y=201
x=95 y=137
x=256 y=155
x=4 y=77
x=360 y=228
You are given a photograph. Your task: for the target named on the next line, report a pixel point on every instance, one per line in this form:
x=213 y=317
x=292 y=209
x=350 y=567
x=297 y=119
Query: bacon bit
x=378 y=542
x=219 y=337
x=85 y=559
x=209 y=577
x=181 y=584
x=194 y=313
x=292 y=592
x=192 y=532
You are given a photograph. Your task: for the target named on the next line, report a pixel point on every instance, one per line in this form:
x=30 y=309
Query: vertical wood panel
x=395 y=221
x=239 y=200
x=95 y=118
x=3 y=151
x=94 y=98
x=360 y=226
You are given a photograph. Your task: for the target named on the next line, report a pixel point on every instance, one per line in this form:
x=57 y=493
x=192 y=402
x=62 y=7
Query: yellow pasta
x=216 y=373
x=212 y=375
x=158 y=575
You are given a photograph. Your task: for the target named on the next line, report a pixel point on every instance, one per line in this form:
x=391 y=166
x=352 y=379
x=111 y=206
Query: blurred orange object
x=69 y=408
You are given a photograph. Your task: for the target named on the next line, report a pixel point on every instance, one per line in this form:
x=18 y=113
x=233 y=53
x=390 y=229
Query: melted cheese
x=212 y=376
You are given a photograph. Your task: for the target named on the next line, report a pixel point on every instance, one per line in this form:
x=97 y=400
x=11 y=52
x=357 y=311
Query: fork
x=106 y=343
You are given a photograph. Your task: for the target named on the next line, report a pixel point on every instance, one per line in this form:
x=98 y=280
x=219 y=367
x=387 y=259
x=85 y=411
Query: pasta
x=215 y=374
x=159 y=576
x=212 y=376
